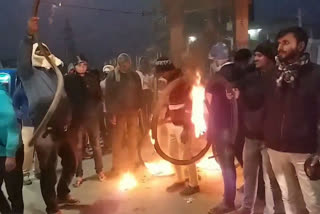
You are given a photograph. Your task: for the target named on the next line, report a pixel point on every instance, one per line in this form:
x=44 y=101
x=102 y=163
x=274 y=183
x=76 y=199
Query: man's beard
x=290 y=57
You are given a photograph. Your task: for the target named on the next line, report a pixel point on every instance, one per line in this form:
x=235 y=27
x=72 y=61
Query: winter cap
x=124 y=57
x=268 y=49
x=80 y=59
x=164 y=64
x=219 y=51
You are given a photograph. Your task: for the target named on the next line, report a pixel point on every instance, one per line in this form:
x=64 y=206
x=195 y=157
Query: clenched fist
x=33 y=25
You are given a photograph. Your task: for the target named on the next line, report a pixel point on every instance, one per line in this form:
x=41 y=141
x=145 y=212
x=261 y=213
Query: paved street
x=149 y=197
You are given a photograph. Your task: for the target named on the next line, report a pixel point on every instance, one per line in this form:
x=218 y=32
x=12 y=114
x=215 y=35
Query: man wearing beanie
x=123 y=99
x=251 y=102
x=84 y=92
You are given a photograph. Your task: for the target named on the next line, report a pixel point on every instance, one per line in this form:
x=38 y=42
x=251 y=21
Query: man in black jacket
x=292 y=109
x=251 y=103
x=123 y=97
x=84 y=92
x=221 y=132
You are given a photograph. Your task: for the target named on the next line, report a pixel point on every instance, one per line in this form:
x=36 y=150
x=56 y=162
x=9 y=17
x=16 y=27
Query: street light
x=254 y=33
x=192 y=39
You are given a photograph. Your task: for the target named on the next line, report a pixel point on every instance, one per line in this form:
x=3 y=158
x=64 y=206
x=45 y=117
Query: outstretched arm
x=25 y=51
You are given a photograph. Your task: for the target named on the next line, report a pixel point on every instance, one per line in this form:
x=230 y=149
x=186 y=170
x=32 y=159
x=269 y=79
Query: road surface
x=149 y=197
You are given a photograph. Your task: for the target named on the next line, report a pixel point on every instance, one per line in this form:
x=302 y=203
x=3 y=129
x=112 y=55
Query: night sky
x=101 y=35
x=268 y=11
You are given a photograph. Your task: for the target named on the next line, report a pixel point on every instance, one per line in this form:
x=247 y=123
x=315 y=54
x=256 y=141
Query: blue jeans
x=227 y=152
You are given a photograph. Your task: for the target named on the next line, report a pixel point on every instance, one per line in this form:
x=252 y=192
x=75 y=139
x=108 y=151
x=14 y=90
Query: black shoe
x=222 y=209
x=190 y=191
x=176 y=187
x=67 y=200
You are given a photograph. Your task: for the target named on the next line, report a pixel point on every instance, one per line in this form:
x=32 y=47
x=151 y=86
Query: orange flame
x=198 y=107
x=127 y=182
x=208 y=165
x=151 y=139
x=160 y=168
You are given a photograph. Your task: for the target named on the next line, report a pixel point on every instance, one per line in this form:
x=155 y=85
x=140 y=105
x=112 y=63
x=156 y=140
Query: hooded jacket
x=221 y=106
x=40 y=86
x=9 y=131
x=220 y=119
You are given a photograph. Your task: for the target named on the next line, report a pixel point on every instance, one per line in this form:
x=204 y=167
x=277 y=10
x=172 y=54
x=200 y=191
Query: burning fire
x=198 y=107
x=127 y=182
x=209 y=164
x=160 y=168
x=152 y=140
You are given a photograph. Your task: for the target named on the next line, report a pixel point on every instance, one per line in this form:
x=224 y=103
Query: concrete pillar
x=241 y=8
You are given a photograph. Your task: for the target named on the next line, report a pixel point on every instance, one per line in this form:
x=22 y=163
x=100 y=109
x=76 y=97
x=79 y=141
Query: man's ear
x=301 y=46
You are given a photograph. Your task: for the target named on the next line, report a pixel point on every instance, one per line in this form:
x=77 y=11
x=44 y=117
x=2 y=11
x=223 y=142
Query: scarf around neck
x=288 y=73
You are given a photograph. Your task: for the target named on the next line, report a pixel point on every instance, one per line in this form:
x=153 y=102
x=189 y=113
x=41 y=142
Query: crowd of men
x=276 y=140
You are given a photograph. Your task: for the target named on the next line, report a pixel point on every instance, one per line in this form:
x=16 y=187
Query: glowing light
x=254 y=33
x=198 y=107
x=209 y=164
x=4 y=77
x=192 y=39
x=151 y=139
x=160 y=168
x=60 y=4
x=127 y=182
